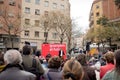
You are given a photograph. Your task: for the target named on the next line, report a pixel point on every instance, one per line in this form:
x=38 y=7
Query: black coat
x=61 y=52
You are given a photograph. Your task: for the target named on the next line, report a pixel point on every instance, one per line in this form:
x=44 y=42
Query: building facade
x=102 y=8
x=31 y=12
x=10 y=21
x=29 y=29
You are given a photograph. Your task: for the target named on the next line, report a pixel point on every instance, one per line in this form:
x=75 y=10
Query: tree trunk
x=12 y=43
x=11 y=40
x=46 y=36
x=69 y=44
x=45 y=39
x=61 y=40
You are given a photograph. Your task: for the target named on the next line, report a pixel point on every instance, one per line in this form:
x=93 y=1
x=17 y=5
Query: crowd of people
x=24 y=65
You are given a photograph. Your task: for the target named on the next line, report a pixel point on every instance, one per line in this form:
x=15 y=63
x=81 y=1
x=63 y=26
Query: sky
x=80 y=10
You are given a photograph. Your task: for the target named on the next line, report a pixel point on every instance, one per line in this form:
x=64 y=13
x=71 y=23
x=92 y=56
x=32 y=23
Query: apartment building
x=10 y=10
x=31 y=12
x=29 y=29
x=105 y=8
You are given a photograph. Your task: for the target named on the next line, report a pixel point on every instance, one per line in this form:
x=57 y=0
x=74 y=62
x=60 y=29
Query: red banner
x=53 y=49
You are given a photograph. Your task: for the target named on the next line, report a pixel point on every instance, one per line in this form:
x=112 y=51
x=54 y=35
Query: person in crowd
x=37 y=55
x=13 y=69
x=48 y=56
x=61 y=53
x=89 y=72
x=114 y=74
x=109 y=57
x=72 y=70
x=28 y=59
x=102 y=61
x=45 y=63
x=53 y=72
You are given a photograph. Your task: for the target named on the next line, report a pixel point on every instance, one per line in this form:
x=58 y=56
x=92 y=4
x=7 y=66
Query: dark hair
x=109 y=56
x=27 y=49
x=37 y=53
x=117 y=59
x=82 y=59
x=48 y=56
x=54 y=62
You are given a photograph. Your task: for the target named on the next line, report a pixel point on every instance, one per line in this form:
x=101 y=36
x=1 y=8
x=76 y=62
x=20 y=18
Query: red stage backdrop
x=53 y=49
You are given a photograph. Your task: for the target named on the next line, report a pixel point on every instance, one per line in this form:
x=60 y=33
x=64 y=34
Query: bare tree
x=10 y=18
x=58 y=22
x=63 y=24
x=48 y=22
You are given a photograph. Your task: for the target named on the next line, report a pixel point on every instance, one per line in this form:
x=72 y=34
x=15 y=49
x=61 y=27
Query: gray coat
x=53 y=74
x=15 y=73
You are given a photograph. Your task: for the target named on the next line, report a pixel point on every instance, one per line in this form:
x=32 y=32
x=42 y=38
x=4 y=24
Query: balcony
x=1 y=1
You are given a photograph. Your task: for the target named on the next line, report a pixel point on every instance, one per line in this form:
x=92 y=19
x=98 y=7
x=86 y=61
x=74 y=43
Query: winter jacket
x=15 y=72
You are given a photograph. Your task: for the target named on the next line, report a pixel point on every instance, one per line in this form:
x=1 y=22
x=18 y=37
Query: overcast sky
x=80 y=10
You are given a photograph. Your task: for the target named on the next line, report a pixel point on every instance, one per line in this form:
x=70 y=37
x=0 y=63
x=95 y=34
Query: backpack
x=33 y=69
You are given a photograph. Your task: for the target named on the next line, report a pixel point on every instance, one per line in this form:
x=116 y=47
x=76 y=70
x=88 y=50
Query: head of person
x=82 y=59
x=109 y=57
x=12 y=57
x=48 y=56
x=27 y=50
x=72 y=70
x=38 y=53
x=117 y=60
x=54 y=62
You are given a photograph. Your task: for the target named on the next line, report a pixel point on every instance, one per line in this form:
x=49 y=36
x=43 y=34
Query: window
x=97 y=6
x=27 y=1
x=10 y=14
x=97 y=14
x=26 y=33
x=46 y=13
x=37 y=22
x=54 y=35
x=46 y=4
x=62 y=6
x=54 y=5
x=37 y=12
x=37 y=1
x=36 y=33
x=12 y=2
x=27 y=21
x=45 y=24
x=16 y=39
x=27 y=10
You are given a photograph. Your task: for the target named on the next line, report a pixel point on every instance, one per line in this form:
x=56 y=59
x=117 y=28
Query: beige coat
x=27 y=60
